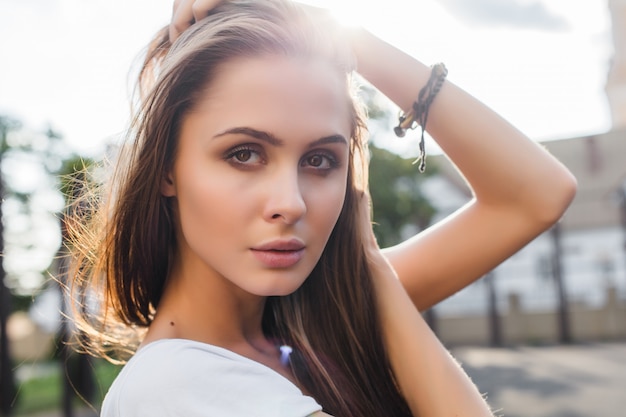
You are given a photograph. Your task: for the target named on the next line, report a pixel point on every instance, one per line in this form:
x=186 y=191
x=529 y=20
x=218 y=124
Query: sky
x=542 y=64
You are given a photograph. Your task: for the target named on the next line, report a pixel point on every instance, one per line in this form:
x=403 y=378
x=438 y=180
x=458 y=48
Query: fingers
x=373 y=254
x=366 y=204
x=201 y=8
x=365 y=220
x=182 y=18
x=186 y=12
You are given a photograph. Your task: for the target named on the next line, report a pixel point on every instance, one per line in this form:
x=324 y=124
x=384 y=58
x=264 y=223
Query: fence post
x=565 y=335
x=495 y=328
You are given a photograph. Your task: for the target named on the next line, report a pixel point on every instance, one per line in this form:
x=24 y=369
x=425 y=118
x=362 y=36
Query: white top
x=177 y=377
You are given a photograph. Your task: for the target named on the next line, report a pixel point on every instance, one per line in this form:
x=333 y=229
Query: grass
x=44 y=393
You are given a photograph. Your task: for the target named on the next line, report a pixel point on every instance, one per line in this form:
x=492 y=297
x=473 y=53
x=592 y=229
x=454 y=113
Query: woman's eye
x=320 y=161
x=244 y=155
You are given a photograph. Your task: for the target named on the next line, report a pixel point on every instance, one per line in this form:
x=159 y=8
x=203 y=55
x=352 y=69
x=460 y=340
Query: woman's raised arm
x=519 y=189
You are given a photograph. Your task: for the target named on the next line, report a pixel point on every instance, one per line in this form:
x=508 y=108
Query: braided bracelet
x=419 y=111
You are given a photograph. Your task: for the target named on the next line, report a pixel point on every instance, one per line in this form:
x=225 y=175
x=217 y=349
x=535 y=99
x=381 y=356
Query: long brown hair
x=126 y=251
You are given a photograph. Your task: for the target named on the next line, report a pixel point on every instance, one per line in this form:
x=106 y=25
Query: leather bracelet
x=419 y=111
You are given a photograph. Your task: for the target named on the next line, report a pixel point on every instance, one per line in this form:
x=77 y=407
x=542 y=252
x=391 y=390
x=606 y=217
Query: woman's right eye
x=244 y=155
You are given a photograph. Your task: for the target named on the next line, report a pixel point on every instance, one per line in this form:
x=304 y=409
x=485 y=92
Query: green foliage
x=21 y=302
x=44 y=393
x=74 y=173
x=32 y=161
x=7 y=124
x=398 y=203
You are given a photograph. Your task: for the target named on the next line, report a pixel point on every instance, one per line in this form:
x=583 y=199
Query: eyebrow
x=273 y=140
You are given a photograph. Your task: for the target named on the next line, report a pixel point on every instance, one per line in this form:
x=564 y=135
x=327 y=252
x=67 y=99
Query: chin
x=278 y=287
x=281 y=290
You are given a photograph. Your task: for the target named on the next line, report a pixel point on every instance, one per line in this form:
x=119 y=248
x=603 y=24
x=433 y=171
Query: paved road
x=556 y=381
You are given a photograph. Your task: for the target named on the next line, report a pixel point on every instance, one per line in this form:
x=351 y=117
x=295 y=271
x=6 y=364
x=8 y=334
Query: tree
x=400 y=208
x=7 y=383
x=31 y=201
x=31 y=160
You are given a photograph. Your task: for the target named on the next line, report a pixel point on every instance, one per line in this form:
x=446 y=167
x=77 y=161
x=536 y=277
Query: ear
x=168 y=189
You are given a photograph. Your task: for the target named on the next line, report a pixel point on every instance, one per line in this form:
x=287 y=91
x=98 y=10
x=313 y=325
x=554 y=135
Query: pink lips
x=279 y=253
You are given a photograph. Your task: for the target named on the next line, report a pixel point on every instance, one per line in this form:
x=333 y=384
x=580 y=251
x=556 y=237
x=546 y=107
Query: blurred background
x=543 y=334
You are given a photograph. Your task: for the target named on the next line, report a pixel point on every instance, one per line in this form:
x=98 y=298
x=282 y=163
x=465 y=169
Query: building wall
x=616 y=80
x=593 y=261
x=593 y=236
x=599 y=165
x=520 y=326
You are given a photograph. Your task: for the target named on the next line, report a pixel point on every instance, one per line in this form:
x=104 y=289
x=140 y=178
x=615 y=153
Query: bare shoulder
x=320 y=414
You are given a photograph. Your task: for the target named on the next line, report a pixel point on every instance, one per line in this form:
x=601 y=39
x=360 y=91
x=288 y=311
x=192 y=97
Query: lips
x=279 y=253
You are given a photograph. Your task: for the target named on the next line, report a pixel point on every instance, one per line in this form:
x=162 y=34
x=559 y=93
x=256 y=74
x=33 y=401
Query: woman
x=237 y=245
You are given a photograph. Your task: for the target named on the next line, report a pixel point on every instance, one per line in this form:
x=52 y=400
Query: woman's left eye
x=320 y=161
x=245 y=155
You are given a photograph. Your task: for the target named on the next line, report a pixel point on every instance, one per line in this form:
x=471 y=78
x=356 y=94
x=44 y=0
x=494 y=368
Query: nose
x=285 y=202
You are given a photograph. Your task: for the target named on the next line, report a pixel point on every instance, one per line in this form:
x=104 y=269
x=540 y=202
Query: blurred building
x=616 y=81
x=593 y=230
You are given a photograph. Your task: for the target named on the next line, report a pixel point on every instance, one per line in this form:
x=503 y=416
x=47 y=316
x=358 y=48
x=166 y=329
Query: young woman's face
x=260 y=173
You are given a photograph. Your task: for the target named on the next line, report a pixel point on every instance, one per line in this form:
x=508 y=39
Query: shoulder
x=182 y=377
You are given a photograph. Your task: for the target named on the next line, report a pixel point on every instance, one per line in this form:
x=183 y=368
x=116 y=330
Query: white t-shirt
x=177 y=377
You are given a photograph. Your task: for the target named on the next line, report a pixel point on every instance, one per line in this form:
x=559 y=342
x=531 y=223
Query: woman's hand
x=380 y=265
x=186 y=12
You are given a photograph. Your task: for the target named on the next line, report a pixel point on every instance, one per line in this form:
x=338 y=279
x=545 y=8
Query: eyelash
x=231 y=157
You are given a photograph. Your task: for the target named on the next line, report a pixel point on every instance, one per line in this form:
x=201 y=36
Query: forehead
x=284 y=95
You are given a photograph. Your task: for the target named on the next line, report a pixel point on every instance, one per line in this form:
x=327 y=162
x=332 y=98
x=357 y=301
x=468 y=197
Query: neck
x=208 y=308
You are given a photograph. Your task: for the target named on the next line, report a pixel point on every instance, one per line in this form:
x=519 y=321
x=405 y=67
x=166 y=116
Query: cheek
x=324 y=204
x=208 y=209
x=338 y=200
